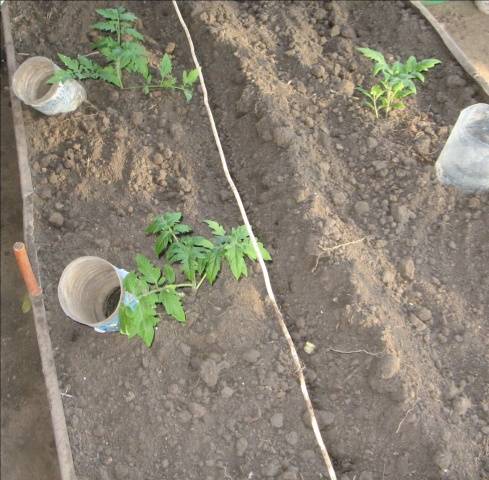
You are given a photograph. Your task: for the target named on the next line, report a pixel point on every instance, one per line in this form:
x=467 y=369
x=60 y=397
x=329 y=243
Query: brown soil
x=218 y=398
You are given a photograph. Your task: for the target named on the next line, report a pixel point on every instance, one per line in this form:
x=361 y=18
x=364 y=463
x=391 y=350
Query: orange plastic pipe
x=25 y=269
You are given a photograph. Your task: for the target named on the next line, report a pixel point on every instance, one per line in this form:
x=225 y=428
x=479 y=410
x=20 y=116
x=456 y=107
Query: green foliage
x=26 y=304
x=122 y=50
x=397 y=81
x=199 y=259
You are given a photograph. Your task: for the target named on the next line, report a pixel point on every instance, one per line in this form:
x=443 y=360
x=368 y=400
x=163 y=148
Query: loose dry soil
x=219 y=398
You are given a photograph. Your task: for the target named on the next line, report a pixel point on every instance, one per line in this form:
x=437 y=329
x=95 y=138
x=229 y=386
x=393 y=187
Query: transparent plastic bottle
x=464 y=160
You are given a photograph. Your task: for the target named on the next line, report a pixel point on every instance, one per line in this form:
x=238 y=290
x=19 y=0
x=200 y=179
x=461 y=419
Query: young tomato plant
x=123 y=51
x=198 y=259
x=397 y=81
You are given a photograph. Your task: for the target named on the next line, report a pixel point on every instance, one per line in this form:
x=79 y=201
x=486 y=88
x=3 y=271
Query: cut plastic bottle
x=464 y=160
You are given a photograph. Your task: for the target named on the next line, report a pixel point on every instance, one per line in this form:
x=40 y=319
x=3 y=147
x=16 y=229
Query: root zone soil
x=218 y=398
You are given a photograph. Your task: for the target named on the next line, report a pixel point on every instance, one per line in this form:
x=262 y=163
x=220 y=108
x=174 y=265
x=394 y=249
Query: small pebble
x=56 y=219
x=277 y=420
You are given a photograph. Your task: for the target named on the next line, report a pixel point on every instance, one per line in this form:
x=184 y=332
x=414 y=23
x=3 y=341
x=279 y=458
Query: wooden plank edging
x=453 y=46
x=63 y=447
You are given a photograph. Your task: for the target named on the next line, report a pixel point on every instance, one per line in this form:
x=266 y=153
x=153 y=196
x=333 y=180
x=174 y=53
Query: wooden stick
x=25 y=269
x=266 y=278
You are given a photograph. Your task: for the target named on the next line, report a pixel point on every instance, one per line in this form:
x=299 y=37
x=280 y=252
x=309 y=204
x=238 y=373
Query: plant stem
x=166 y=287
x=376 y=110
x=200 y=283
x=118 y=29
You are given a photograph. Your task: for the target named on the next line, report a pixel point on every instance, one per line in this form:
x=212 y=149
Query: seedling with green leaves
x=199 y=259
x=123 y=51
x=397 y=81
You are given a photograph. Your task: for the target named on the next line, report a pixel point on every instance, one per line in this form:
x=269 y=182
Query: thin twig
x=374 y=354
x=335 y=247
x=266 y=277
x=405 y=416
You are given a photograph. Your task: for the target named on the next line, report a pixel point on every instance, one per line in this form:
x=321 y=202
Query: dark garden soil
x=219 y=398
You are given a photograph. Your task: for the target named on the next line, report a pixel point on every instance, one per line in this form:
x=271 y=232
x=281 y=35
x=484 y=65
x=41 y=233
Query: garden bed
x=218 y=398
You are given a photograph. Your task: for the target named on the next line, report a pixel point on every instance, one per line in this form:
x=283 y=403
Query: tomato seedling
x=123 y=51
x=397 y=81
x=199 y=259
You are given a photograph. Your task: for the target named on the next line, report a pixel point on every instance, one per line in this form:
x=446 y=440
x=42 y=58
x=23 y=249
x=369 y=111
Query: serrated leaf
x=190 y=252
x=377 y=91
x=216 y=228
x=169 y=273
x=71 y=63
x=140 y=320
x=213 y=264
x=110 y=13
x=250 y=251
x=234 y=257
x=427 y=64
x=398 y=106
x=372 y=55
x=188 y=94
x=163 y=222
x=162 y=242
x=169 y=82
x=128 y=17
x=192 y=76
x=135 y=285
x=151 y=273
x=173 y=305
x=182 y=228
x=165 y=66
x=109 y=75
x=26 y=304
x=60 y=76
x=105 y=26
x=133 y=32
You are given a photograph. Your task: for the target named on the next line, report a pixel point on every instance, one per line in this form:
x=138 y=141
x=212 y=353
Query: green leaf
x=26 y=304
x=133 y=32
x=128 y=17
x=151 y=274
x=234 y=256
x=109 y=75
x=105 y=26
x=111 y=13
x=250 y=252
x=188 y=93
x=169 y=82
x=398 y=106
x=165 y=66
x=427 y=64
x=377 y=91
x=213 y=264
x=60 y=76
x=71 y=63
x=191 y=253
x=410 y=65
x=169 y=273
x=182 y=228
x=162 y=242
x=216 y=228
x=173 y=304
x=140 y=320
x=192 y=76
x=163 y=222
x=135 y=285
x=167 y=227
x=373 y=55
